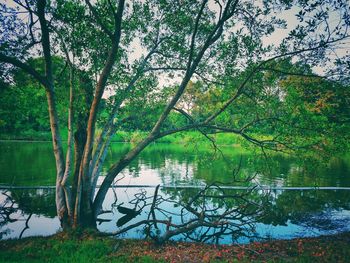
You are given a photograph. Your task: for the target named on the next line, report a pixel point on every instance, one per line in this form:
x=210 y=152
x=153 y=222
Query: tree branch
x=259 y=67
x=98 y=20
x=192 y=46
x=100 y=87
x=31 y=71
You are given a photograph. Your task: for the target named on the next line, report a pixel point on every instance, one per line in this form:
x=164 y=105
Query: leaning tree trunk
x=61 y=202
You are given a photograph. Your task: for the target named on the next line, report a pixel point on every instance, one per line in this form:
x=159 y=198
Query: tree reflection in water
x=20 y=207
x=211 y=214
x=204 y=215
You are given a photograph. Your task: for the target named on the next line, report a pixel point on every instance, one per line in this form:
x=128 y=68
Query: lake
x=284 y=212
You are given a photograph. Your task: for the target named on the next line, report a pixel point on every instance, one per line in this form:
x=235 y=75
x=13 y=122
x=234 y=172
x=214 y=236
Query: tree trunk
x=61 y=203
x=80 y=137
x=70 y=145
x=61 y=206
x=116 y=169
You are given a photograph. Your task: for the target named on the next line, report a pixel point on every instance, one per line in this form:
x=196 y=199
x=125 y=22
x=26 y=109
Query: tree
x=217 y=42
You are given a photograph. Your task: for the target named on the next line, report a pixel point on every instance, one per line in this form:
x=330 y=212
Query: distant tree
x=132 y=51
x=298 y=110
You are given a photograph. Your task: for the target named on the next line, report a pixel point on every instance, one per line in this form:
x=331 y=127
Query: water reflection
x=281 y=214
x=177 y=164
x=27 y=213
x=277 y=214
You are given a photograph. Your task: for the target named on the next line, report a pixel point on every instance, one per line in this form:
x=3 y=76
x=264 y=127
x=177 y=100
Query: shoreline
x=131 y=137
x=78 y=248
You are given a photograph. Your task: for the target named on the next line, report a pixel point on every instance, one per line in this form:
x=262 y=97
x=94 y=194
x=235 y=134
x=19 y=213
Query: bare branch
x=210 y=211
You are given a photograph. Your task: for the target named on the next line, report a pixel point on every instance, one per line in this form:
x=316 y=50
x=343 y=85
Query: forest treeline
x=304 y=104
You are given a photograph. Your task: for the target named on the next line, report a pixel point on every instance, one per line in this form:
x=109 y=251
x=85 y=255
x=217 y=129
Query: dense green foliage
x=23 y=112
x=284 y=105
x=302 y=112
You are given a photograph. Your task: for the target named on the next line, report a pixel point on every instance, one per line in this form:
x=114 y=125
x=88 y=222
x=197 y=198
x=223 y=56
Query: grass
x=92 y=248
x=134 y=137
x=178 y=138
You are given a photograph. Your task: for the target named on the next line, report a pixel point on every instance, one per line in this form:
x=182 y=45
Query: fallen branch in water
x=208 y=214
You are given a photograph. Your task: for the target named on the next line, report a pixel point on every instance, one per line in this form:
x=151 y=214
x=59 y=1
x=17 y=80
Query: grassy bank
x=178 y=138
x=27 y=136
x=89 y=248
x=134 y=137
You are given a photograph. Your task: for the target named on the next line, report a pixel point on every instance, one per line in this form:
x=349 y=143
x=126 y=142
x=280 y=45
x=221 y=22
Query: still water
x=283 y=214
